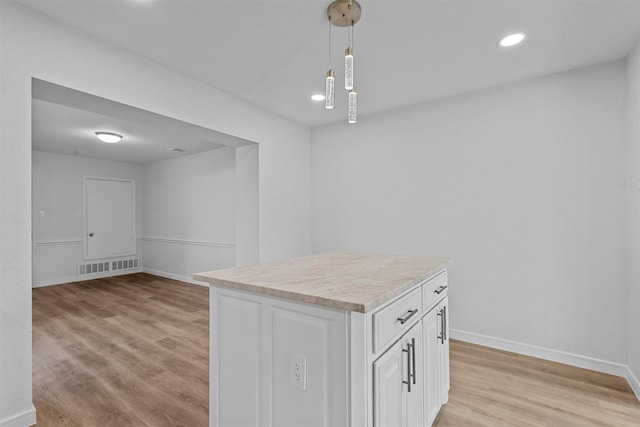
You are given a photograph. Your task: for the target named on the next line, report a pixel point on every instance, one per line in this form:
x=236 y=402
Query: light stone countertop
x=344 y=280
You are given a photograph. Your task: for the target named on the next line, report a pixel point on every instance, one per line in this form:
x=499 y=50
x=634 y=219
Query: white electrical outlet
x=299 y=371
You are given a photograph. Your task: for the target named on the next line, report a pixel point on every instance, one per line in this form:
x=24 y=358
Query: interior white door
x=109 y=217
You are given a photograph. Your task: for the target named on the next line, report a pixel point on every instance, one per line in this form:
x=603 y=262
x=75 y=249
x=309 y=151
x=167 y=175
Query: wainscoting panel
x=180 y=258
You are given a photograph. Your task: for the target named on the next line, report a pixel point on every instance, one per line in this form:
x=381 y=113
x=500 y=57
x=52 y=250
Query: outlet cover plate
x=299 y=371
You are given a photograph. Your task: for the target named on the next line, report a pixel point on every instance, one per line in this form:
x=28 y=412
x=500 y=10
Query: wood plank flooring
x=124 y=351
x=497 y=388
x=133 y=351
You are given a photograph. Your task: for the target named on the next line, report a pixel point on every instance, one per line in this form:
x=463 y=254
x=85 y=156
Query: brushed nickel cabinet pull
x=413 y=353
x=440 y=290
x=408 y=381
x=441 y=334
x=444 y=323
x=404 y=319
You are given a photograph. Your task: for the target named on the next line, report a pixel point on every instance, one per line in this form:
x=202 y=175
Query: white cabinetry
x=277 y=362
x=431 y=327
x=399 y=383
x=254 y=344
x=436 y=358
x=411 y=378
x=443 y=362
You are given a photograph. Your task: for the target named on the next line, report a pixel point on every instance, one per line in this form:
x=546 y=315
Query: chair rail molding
x=187 y=242
x=59 y=242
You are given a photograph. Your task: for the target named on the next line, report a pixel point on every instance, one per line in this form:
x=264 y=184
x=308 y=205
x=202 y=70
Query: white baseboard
x=24 y=419
x=63 y=280
x=572 y=359
x=633 y=382
x=174 y=277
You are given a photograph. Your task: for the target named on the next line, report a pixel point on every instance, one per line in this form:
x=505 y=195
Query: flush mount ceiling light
x=511 y=39
x=343 y=13
x=317 y=97
x=108 y=137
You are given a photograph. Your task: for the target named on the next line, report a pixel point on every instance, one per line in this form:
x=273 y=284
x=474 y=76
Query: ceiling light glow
x=317 y=97
x=108 y=137
x=511 y=40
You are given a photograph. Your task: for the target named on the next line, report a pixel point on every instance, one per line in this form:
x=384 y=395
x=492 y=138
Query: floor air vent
x=106 y=266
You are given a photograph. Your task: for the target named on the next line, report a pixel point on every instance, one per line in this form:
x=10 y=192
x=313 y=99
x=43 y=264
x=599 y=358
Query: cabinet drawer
x=434 y=290
x=393 y=320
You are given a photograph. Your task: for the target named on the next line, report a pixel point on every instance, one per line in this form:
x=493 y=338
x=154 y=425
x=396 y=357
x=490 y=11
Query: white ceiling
x=274 y=53
x=64 y=121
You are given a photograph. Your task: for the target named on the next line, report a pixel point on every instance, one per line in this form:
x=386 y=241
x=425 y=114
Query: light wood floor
x=496 y=388
x=125 y=351
x=133 y=351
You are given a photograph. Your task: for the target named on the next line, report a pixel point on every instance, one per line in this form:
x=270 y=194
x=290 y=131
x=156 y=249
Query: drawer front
x=434 y=290
x=396 y=318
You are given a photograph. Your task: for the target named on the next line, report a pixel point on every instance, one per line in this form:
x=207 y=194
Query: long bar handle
x=408 y=381
x=444 y=324
x=406 y=318
x=440 y=290
x=413 y=354
x=441 y=335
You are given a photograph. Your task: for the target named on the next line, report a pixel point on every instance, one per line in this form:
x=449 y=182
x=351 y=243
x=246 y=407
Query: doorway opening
x=169 y=200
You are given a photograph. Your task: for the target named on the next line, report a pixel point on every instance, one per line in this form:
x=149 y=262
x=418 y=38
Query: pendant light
x=348 y=52
x=343 y=13
x=348 y=68
x=328 y=92
x=352 y=106
x=330 y=81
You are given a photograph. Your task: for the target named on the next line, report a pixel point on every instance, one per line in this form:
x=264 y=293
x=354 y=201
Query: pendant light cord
x=350 y=29
x=330 y=65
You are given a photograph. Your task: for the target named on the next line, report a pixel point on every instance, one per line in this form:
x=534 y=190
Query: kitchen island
x=337 y=339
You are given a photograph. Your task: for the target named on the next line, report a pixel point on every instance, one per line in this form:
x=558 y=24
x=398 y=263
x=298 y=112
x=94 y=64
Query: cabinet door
x=387 y=388
x=414 y=415
x=432 y=356
x=444 y=352
x=399 y=383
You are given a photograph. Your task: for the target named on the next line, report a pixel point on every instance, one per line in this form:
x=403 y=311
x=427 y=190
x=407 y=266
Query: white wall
x=633 y=187
x=189 y=214
x=247 y=205
x=58 y=191
x=523 y=185
x=32 y=45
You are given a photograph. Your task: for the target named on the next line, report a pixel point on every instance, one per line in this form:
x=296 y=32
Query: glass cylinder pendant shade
x=348 y=69
x=352 y=112
x=328 y=92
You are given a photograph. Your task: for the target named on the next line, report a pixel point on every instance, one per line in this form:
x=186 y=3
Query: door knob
x=90 y=234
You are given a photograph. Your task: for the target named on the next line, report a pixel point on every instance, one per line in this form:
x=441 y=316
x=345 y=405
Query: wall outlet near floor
x=299 y=371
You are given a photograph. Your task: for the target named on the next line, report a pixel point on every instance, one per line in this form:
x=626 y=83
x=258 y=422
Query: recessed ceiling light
x=108 y=137
x=317 y=97
x=511 y=39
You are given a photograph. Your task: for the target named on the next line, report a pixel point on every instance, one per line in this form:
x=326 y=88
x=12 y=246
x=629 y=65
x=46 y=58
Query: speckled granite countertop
x=344 y=280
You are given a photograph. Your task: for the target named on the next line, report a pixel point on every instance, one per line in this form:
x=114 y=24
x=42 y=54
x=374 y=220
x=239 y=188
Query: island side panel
x=316 y=337
x=235 y=360
x=278 y=334
x=360 y=395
